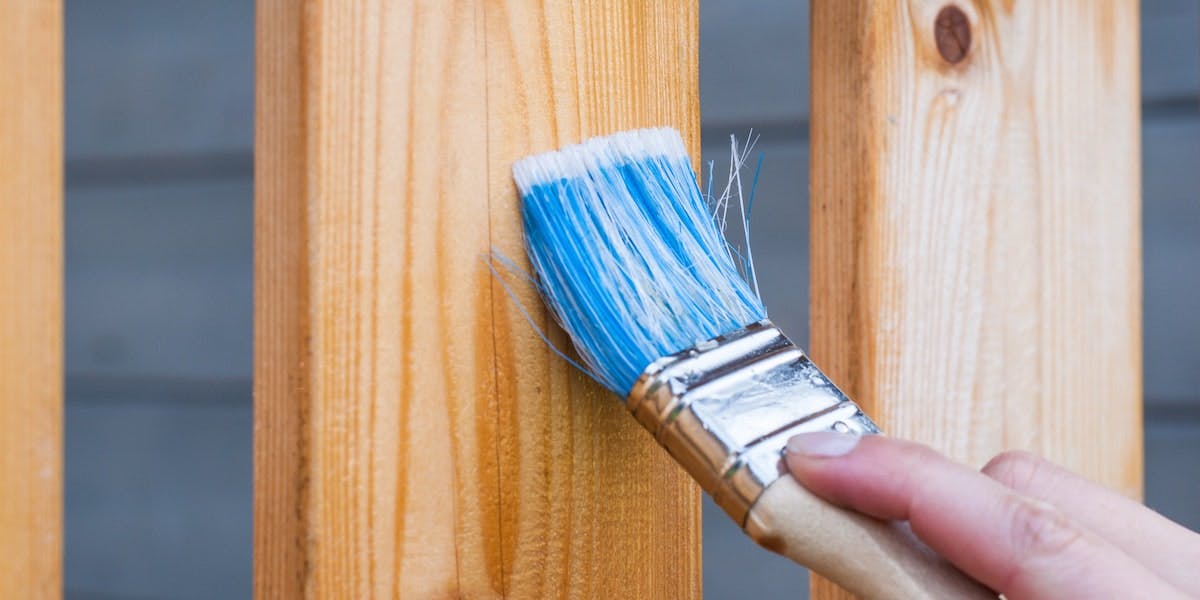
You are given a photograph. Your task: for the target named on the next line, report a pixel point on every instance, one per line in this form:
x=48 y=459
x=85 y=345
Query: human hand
x=1022 y=526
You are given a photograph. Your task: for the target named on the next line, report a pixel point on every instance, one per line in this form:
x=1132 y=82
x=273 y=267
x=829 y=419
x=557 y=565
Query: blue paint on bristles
x=626 y=253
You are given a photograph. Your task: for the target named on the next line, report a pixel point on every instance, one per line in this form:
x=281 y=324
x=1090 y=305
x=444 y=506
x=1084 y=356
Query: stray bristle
x=627 y=255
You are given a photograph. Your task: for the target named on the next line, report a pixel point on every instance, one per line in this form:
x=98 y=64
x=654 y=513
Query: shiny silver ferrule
x=726 y=407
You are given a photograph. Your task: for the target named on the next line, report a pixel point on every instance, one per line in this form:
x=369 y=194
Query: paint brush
x=631 y=263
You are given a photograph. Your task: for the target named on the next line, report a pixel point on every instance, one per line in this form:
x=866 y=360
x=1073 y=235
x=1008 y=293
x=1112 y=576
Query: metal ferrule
x=726 y=407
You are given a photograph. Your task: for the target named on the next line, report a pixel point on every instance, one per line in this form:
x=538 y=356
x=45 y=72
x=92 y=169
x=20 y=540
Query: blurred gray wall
x=159 y=276
x=159 y=229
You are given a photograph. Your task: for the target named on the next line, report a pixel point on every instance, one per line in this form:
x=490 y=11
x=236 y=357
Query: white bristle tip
x=596 y=153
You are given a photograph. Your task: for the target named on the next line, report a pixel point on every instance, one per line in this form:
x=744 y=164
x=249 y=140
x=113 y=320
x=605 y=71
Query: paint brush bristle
x=627 y=255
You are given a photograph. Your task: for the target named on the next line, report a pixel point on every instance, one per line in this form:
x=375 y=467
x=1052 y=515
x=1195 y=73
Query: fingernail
x=823 y=444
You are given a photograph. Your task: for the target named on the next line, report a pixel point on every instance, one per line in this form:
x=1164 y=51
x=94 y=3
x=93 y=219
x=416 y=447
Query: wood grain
x=976 y=253
x=590 y=504
x=413 y=438
x=31 y=262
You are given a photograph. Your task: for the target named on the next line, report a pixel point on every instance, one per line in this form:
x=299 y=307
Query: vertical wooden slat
x=30 y=298
x=373 y=335
x=589 y=505
x=412 y=438
x=976 y=254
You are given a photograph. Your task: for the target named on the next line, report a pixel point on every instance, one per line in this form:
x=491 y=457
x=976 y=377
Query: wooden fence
x=975 y=275
x=31 y=290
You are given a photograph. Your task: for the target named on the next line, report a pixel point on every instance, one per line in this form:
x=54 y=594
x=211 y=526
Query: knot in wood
x=952 y=32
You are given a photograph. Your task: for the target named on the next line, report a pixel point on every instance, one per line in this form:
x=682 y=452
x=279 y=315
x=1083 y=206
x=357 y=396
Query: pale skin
x=1022 y=526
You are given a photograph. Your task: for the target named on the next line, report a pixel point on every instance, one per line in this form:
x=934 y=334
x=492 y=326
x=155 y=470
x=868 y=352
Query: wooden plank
x=30 y=299
x=976 y=259
x=589 y=504
x=370 y=342
x=412 y=436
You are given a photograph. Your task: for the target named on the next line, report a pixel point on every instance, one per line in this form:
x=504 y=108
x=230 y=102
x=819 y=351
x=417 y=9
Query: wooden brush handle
x=871 y=558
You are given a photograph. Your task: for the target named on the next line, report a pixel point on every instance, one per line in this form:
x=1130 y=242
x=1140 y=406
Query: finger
x=1022 y=547
x=1164 y=547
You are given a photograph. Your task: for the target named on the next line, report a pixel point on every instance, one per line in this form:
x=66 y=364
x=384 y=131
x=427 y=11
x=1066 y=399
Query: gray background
x=159 y=276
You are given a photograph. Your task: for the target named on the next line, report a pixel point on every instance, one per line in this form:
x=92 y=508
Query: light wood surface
x=976 y=274
x=30 y=299
x=413 y=437
x=590 y=505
